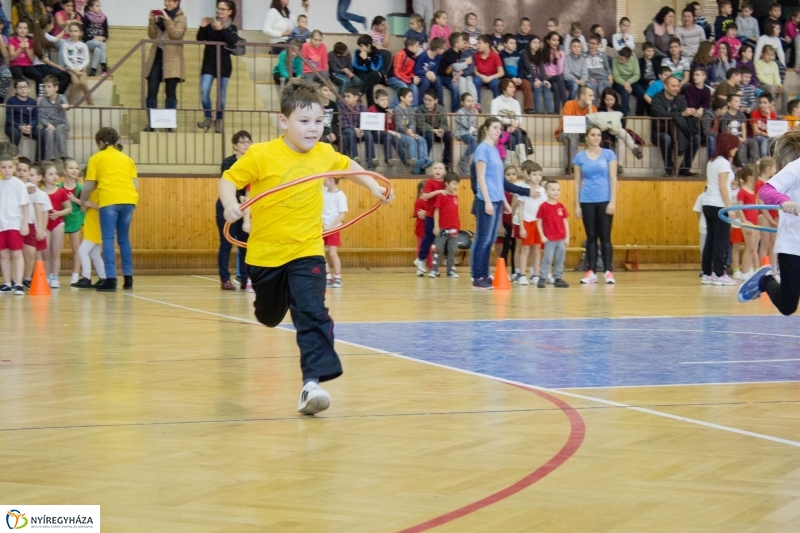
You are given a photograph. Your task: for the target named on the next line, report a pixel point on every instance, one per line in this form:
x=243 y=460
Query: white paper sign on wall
x=163 y=118
x=574 y=124
x=776 y=128
x=373 y=121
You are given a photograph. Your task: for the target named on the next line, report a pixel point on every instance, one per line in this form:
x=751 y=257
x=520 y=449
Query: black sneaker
x=107 y=285
x=560 y=283
x=483 y=284
x=26 y=283
x=19 y=290
x=100 y=282
x=83 y=283
x=542 y=283
x=128 y=285
x=6 y=288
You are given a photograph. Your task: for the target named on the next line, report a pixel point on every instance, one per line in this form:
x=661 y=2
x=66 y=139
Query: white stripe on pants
x=89 y=253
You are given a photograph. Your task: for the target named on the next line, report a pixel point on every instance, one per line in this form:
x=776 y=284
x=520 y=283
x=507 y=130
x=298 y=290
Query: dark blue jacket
x=374 y=62
x=19 y=112
x=425 y=64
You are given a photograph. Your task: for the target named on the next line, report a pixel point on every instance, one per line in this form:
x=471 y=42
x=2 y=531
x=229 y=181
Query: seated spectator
x=789 y=39
x=5 y=72
x=67 y=15
x=730 y=38
x=416 y=30
x=472 y=30
x=451 y=68
x=330 y=117
x=368 y=65
x=75 y=58
x=669 y=103
x=576 y=72
x=731 y=84
x=301 y=32
x=53 y=120
x=703 y=59
x=623 y=39
x=689 y=33
x=280 y=73
x=466 y=128
x=403 y=65
x=340 y=65
x=700 y=20
x=626 y=79
x=524 y=35
x=22 y=114
x=746 y=61
x=649 y=68
x=711 y=123
x=758 y=120
x=432 y=125
x=21 y=55
x=350 y=109
x=427 y=67
x=748 y=93
x=661 y=30
x=507 y=109
x=537 y=78
x=771 y=37
x=724 y=18
x=488 y=67
x=512 y=70
x=498 y=35
x=439 y=27
x=389 y=138
x=575 y=34
x=553 y=60
x=600 y=76
x=678 y=64
x=657 y=86
x=96 y=36
x=380 y=40
x=773 y=17
x=581 y=107
x=735 y=123
x=611 y=122
x=598 y=30
x=793 y=114
x=769 y=79
x=415 y=151
x=723 y=64
x=316 y=54
x=698 y=96
x=748 y=25
x=278 y=26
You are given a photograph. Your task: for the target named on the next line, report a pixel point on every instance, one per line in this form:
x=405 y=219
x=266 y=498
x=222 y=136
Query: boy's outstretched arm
x=377 y=190
x=227 y=195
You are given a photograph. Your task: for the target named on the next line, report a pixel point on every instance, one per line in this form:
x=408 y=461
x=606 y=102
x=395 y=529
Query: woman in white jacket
x=278 y=25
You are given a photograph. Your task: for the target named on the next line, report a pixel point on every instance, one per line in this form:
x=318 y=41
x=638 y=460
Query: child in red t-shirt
x=446 y=225
x=554 y=231
x=747 y=196
x=419 y=218
x=433 y=187
x=758 y=120
x=55 y=226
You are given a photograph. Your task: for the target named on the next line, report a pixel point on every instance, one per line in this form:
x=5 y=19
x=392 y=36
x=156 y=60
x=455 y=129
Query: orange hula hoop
x=337 y=174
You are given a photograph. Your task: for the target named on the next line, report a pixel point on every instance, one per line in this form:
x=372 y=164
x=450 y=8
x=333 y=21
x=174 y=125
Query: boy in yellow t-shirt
x=285 y=253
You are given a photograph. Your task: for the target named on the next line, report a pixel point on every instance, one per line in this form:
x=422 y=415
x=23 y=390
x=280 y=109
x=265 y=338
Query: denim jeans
x=117 y=218
x=625 y=96
x=206 y=81
x=572 y=89
x=396 y=84
x=351 y=141
x=543 y=100
x=342 y=81
x=391 y=145
x=98 y=51
x=427 y=240
x=345 y=18
x=446 y=82
x=494 y=86
x=485 y=234
x=425 y=84
x=664 y=142
x=447 y=144
x=763 y=146
x=417 y=149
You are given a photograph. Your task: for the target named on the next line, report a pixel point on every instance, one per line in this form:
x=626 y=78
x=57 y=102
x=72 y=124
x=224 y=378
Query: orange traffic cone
x=501 y=281
x=39 y=284
x=765 y=261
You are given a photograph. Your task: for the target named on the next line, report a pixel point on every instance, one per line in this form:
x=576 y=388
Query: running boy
x=14 y=203
x=285 y=251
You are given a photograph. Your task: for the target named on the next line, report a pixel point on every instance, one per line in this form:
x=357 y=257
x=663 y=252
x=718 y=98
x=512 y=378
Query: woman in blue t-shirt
x=490 y=200
x=595 y=200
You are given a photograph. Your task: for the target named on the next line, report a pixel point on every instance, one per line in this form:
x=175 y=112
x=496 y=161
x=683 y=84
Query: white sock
x=74 y=277
x=516 y=271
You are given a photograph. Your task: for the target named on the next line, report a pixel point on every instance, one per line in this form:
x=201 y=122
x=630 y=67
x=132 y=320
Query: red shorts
x=533 y=237
x=11 y=240
x=334 y=239
x=30 y=239
x=737 y=236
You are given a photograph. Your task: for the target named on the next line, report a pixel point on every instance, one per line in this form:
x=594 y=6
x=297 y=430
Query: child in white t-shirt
x=782 y=189
x=333 y=211
x=525 y=216
x=35 y=242
x=14 y=204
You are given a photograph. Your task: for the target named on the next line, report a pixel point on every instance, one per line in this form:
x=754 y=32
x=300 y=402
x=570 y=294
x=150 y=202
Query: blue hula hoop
x=723 y=215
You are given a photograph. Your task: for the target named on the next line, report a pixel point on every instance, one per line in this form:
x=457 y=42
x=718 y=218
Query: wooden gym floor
x=652 y=405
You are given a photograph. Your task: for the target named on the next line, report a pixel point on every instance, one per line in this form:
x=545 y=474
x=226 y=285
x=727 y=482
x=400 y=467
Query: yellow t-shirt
x=114 y=173
x=286 y=225
x=91 y=223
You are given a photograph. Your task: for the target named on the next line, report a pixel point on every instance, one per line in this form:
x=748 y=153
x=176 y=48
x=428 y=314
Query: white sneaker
x=534 y=279
x=610 y=278
x=707 y=280
x=737 y=274
x=54 y=284
x=313 y=399
x=433 y=274
x=420 y=264
x=523 y=280
x=515 y=277
x=725 y=280
x=590 y=277
x=550 y=280
x=452 y=274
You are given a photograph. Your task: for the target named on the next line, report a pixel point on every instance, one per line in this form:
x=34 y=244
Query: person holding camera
x=219 y=29
x=165 y=61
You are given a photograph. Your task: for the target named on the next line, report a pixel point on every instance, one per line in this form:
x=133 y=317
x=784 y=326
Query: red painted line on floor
x=574 y=441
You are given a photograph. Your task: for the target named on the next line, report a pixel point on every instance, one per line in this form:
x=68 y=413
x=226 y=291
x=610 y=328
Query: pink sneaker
x=610 y=278
x=590 y=277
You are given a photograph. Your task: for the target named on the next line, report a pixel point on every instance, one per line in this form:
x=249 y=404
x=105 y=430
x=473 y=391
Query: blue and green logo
x=16 y=517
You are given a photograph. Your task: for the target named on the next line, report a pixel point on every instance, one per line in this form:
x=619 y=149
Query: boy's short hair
x=353 y=89
x=410 y=41
x=575 y=26
x=529 y=166
x=731 y=96
x=509 y=36
x=436 y=44
x=463 y=97
x=548 y=183
x=647 y=45
x=791 y=106
x=432 y=93
x=24 y=161
x=339 y=48
x=524 y=19
x=415 y=17
x=767 y=96
x=299 y=92
x=718 y=104
x=301 y=17
x=594 y=27
x=674 y=40
x=451 y=176
x=52 y=80
x=747 y=5
x=625 y=52
x=6 y=157
x=364 y=40
x=21 y=80
x=454 y=37
x=722 y=3
x=554 y=20
x=596 y=38
x=401 y=93
x=381 y=92
x=732 y=72
x=239 y=135
x=485 y=38
x=731 y=26
x=9 y=148
x=663 y=69
x=495 y=21
x=772 y=6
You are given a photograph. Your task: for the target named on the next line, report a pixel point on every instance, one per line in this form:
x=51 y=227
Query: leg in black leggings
x=592 y=224
x=603 y=224
x=786 y=294
x=717 y=238
x=509 y=245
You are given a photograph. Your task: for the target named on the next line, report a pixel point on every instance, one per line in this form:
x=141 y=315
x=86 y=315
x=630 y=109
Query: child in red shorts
x=527 y=209
x=334 y=208
x=35 y=242
x=446 y=226
x=14 y=202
